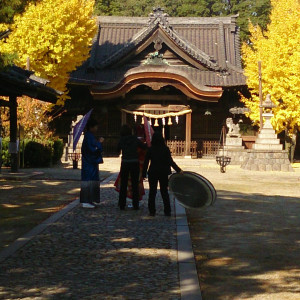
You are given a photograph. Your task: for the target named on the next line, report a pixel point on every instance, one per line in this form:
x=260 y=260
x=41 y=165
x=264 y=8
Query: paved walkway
x=97 y=254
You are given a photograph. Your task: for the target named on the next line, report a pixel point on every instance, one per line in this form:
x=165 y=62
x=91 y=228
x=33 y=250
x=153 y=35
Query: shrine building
x=183 y=73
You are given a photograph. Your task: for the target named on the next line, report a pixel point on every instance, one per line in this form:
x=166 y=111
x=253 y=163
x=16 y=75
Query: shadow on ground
x=248 y=247
x=26 y=203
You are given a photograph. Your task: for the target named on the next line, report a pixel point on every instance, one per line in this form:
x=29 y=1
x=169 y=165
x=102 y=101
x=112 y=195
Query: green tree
x=8 y=8
x=256 y=11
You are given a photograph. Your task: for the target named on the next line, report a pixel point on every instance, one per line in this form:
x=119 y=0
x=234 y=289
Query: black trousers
x=163 y=180
x=133 y=169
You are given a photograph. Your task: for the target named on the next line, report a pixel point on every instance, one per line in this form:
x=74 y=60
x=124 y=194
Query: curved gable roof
x=211 y=45
x=159 y=21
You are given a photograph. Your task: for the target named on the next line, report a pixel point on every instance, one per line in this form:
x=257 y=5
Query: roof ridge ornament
x=158 y=16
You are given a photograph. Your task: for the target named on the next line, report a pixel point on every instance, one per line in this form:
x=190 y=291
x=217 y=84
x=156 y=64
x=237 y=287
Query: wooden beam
x=4 y=103
x=188 y=135
x=123 y=118
x=150 y=97
x=13 y=134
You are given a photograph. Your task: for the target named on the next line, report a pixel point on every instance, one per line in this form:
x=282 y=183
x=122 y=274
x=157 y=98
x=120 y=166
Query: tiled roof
x=17 y=81
x=212 y=42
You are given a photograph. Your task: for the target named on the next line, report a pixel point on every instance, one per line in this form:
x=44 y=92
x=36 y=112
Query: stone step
x=267 y=141
x=267 y=136
x=267 y=130
x=267 y=147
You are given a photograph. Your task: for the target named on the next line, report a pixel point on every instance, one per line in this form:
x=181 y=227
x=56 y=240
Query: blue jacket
x=91 y=151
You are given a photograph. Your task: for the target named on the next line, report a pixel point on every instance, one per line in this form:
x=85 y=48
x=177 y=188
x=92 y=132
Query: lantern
x=156 y=123
x=177 y=119
x=143 y=120
x=164 y=121
x=170 y=121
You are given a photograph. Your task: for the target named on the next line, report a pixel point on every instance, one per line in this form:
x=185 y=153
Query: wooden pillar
x=123 y=117
x=260 y=97
x=13 y=134
x=188 y=135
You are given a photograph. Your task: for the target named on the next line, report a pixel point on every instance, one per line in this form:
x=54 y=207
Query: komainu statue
x=233 y=129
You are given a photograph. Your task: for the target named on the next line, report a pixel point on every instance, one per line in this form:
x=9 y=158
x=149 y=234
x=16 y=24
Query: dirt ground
x=248 y=245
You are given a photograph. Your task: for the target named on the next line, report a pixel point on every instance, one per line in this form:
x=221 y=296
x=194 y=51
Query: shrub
x=58 y=149
x=5 y=154
x=37 y=155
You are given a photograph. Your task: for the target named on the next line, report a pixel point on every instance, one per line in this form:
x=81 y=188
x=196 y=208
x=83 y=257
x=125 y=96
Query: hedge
x=36 y=154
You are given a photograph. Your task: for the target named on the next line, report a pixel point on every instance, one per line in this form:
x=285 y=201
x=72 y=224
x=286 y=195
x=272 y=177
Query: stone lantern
x=267 y=154
x=267 y=138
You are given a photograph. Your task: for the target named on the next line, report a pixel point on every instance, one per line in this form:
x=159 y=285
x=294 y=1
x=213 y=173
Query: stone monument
x=233 y=147
x=68 y=149
x=267 y=154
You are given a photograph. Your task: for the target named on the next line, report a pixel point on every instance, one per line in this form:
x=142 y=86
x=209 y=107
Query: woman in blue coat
x=91 y=158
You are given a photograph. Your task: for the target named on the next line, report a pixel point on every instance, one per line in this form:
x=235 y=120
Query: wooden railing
x=209 y=148
x=200 y=148
x=177 y=148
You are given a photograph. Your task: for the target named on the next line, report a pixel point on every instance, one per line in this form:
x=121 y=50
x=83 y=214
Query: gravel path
x=97 y=254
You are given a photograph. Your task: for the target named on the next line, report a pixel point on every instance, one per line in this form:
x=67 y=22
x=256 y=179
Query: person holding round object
x=91 y=158
x=161 y=161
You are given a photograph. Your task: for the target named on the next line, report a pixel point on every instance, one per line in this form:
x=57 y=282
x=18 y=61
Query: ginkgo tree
x=55 y=35
x=279 y=50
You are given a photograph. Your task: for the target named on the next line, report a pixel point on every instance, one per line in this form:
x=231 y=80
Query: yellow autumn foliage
x=279 y=51
x=3 y=27
x=56 y=35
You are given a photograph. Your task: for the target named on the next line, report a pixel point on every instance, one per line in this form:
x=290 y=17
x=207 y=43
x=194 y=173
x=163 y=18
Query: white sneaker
x=88 y=205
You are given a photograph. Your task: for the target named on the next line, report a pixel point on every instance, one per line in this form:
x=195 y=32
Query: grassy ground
x=248 y=245
x=25 y=204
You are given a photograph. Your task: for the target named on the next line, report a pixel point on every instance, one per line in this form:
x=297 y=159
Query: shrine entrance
x=178 y=72
x=162 y=118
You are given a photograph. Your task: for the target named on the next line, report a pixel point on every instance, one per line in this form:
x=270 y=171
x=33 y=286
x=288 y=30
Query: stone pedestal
x=267 y=138
x=267 y=160
x=234 y=149
x=267 y=153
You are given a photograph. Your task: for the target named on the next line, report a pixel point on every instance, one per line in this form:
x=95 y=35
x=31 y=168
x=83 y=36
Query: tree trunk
x=290 y=144
x=293 y=146
x=13 y=149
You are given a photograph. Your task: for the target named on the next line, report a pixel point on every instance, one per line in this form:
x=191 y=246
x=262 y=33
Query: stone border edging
x=20 y=242
x=188 y=276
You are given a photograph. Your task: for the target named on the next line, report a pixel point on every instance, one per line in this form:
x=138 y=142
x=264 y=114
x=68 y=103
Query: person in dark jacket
x=160 y=167
x=129 y=145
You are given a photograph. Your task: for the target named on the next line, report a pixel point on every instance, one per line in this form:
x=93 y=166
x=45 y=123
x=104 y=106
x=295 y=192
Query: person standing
x=129 y=145
x=91 y=158
x=160 y=168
